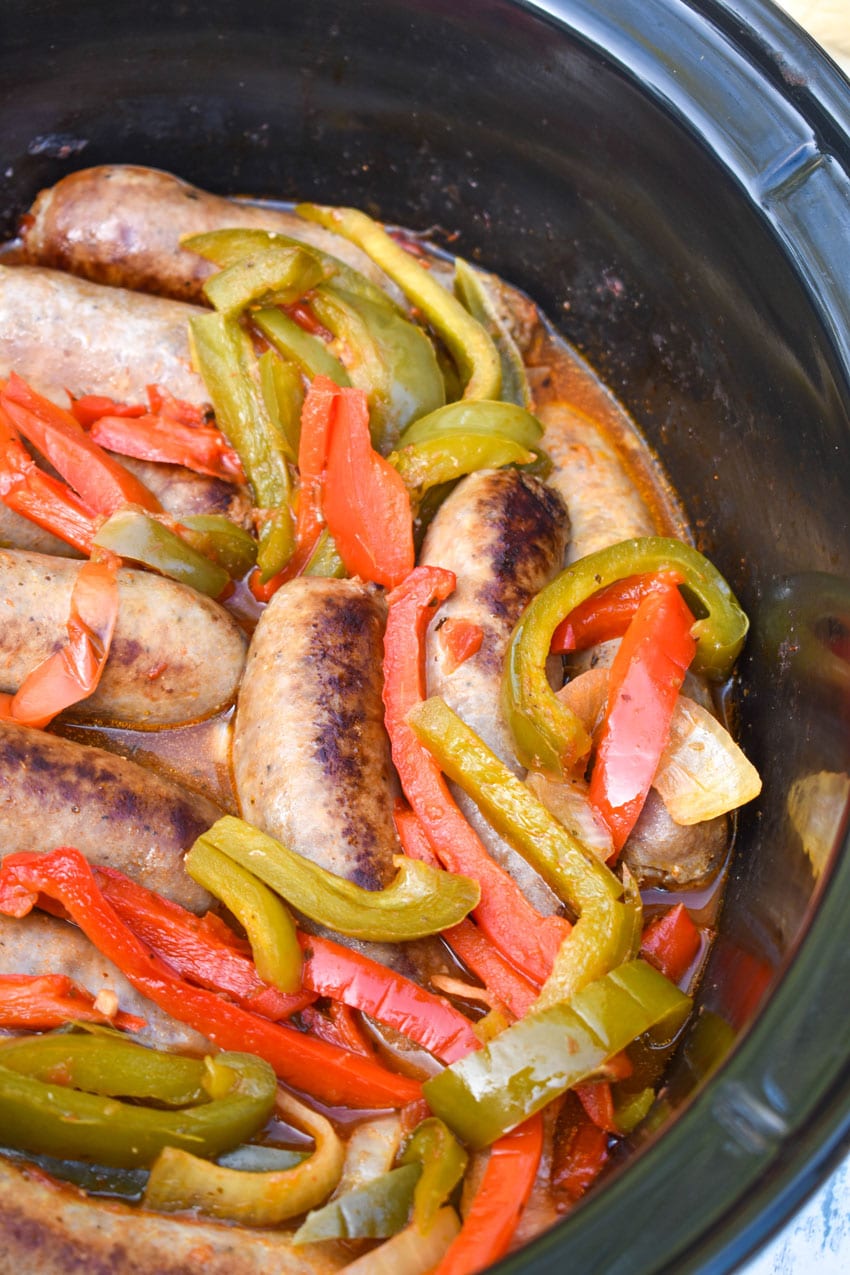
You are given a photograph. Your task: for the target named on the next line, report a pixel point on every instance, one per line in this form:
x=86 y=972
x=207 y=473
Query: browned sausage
x=311 y=757
x=122 y=225
x=64 y=334
x=503 y=533
x=50 y=1229
x=176 y=656
x=41 y=944
x=55 y=792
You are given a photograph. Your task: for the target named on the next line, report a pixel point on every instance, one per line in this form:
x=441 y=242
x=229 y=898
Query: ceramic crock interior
x=675 y=196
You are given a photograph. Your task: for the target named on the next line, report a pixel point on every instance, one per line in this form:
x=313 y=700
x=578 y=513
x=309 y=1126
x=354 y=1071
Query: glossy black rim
x=763 y=1133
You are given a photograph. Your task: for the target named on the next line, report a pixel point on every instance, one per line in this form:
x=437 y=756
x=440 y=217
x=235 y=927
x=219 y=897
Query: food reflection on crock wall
x=359 y=674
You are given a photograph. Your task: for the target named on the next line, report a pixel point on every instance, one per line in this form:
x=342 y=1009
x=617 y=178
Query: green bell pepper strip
x=471 y=289
x=179 y=1180
x=141 y=538
x=276 y=275
x=505 y=420
x=373 y=1212
x=325 y=560
x=215 y=536
x=107 y=1064
x=542 y=1055
x=302 y=348
x=224 y=357
x=443 y=1160
x=420 y=900
x=283 y=394
x=227 y=247
x=439 y=460
x=385 y=355
x=50 y=1118
x=261 y=913
x=608 y=927
x=546 y=733
x=465 y=338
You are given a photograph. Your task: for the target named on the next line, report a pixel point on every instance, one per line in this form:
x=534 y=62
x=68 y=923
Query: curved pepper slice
x=468 y=342
x=372 y=1212
x=136 y=536
x=420 y=901
x=534 y=1060
x=443 y=1162
x=432 y=461
x=546 y=733
x=260 y=912
x=332 y=1075
x=608 y=613
x=481 y=416
x=52 y=1118
x=107 y=1064
x=473 y=289
x=607 y=929
x=386 y=356
x=179 y=1180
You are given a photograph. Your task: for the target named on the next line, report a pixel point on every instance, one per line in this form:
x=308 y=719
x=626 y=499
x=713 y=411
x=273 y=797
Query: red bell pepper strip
x=608 y=613
x=73 y=672
x=524 y=937
x=210 y=959
x=468 y=943
x=40 y=1002
x=579 y=1159
x=365 y=501
x=459 y=639
x=90 y=407
x=201 y=448
x=202 y=950
x=35 y=495
x=598 y=1103
x=336 y=971
x=645 y=679
x=498 y=1202
x=329 y=1074
x=162 y=403
x=102 y=483
x=671 y=942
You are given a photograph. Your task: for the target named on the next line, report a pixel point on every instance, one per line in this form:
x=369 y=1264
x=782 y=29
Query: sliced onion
x=567 y=800
x=371 y=1150
x=702 y=772
x=410 y=1252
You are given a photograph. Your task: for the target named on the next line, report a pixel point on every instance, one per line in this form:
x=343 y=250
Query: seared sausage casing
x=55 y=792
x=176 y=656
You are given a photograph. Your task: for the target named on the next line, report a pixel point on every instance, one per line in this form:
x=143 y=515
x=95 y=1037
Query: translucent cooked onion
x=410 y=1252
x=702 y=772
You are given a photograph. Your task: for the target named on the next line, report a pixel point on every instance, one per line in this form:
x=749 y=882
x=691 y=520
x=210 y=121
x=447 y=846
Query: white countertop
x=817 y=1240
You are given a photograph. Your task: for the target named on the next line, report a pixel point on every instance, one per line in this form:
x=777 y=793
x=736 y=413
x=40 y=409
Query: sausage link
x=64 y=334
x=503 y=533
x=52 y=1229
x=311 y=757
x=122 y=225
x=606 y=506
x=176 y=656
x=56 y=792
